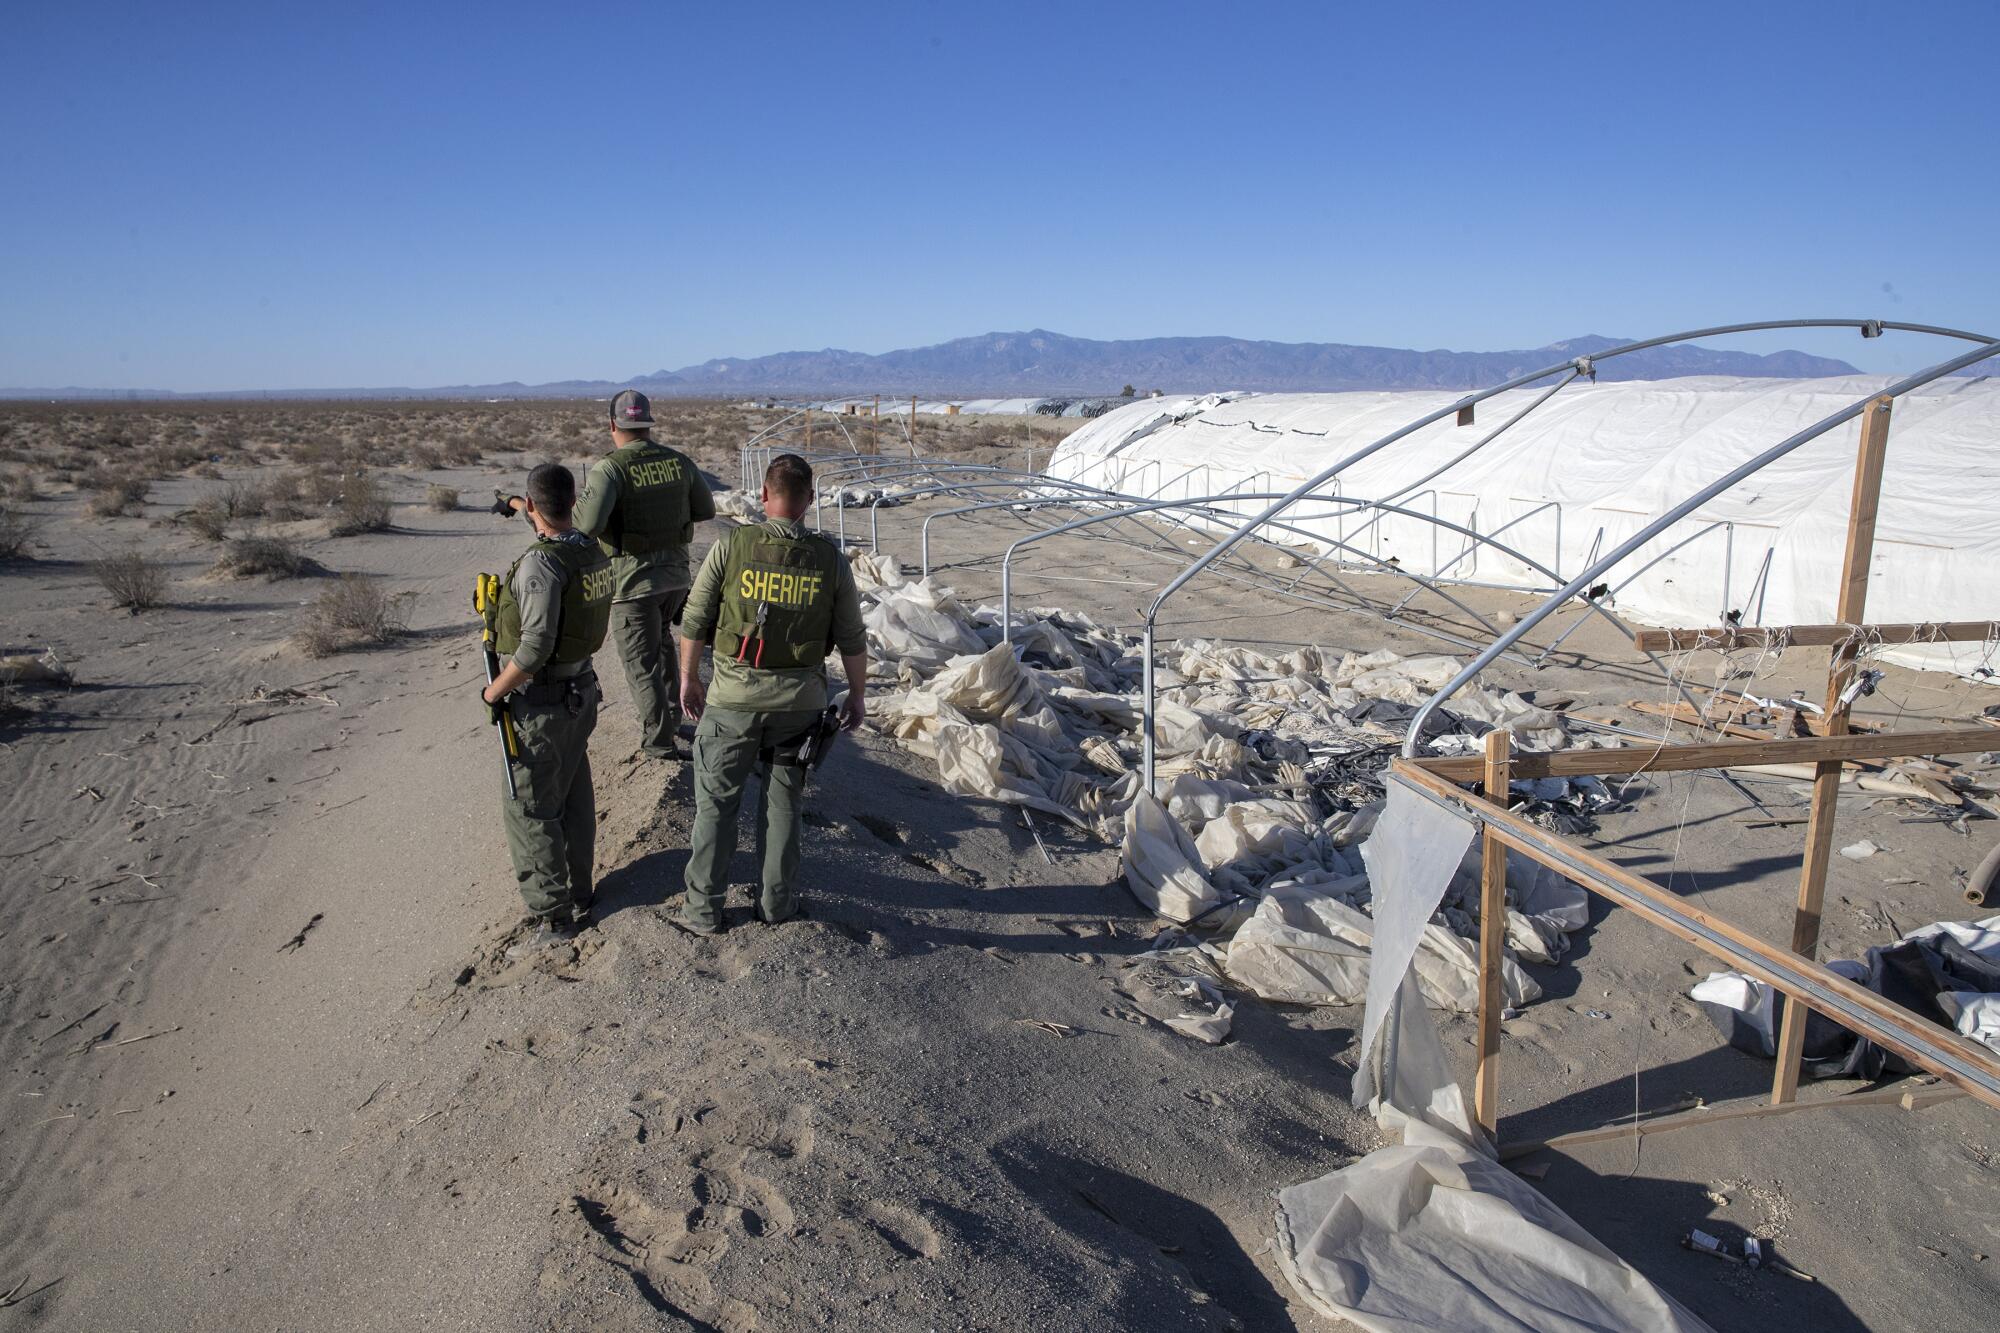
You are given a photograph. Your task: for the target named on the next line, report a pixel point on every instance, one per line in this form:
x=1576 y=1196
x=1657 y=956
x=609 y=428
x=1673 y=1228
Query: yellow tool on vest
x=486 y=602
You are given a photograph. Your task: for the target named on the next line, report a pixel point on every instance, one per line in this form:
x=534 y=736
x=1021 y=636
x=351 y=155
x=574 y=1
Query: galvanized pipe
x=1578 y=364
x=1674 y=515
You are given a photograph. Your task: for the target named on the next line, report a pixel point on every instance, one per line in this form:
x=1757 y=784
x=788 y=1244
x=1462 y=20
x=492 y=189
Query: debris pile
x=1948 y=972
x=738 y=506
x=1270 y=775
x=861 y=496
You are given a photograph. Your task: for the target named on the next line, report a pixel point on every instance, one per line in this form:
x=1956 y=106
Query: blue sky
x=230 y=196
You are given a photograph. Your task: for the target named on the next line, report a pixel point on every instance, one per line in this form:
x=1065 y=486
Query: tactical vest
x=791 y=581
x=585 y=617
x=652 y=512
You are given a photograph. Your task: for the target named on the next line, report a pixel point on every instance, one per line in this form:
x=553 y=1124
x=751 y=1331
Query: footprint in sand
x=909 y=1235
x=669 y=1248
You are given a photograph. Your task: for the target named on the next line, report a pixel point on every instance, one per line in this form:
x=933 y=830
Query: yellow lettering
x=656 y=471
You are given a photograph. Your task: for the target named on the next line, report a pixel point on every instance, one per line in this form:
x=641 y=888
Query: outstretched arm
x=694 y=694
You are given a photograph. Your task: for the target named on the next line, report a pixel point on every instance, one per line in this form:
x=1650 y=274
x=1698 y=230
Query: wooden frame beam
x=1930 y=1046
x=1725 y=637
x=1720 y=754
x=1853 y=604
x=1492 y=939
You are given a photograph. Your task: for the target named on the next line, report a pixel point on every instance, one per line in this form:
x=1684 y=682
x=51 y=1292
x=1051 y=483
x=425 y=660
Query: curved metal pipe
x=1576 y=363
x=1071 y=487
x=1006 y=573
x=1579 y=364
x=1675 y=515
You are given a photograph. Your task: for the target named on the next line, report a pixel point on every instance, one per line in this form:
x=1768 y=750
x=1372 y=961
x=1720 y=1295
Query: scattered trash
x=1948 y=972
x=43 y=668
x=1702 y=1243
x=1859 y=851
x=1053 y=1029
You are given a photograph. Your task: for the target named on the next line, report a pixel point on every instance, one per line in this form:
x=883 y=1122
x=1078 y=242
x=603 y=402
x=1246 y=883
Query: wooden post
x=1826 y=774
x=1492 y=936
x=875 y=426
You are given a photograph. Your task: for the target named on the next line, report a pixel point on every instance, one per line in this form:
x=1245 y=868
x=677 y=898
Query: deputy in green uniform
x=641 y=503
x=554 y=609
x=774 y=600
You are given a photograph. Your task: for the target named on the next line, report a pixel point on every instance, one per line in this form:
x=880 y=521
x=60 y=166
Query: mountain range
x=1039 y=363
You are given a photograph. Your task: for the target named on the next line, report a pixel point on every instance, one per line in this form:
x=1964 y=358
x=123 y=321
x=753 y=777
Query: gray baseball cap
x=631 y=410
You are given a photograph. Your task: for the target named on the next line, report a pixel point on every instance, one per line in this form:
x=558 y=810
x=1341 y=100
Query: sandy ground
x=848 y=1121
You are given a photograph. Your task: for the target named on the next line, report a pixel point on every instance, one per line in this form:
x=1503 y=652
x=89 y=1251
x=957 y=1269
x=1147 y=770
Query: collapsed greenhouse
x=1297 y=814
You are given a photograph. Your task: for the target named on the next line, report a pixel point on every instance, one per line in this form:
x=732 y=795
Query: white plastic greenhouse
x=1588 y=467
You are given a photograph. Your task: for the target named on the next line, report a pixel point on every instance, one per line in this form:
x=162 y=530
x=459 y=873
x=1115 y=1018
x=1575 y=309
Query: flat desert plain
x=266 y=1061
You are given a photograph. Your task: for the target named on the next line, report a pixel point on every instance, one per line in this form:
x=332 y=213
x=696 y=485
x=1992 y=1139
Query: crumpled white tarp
x=739 y=507
x=915 y=624
x=873 y=571
x=1433 y=1235
x=1976 y=1014
x=1161 y=863
x=1311 y=946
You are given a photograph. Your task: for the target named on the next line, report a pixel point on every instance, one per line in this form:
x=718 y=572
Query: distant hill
x=1039 y=363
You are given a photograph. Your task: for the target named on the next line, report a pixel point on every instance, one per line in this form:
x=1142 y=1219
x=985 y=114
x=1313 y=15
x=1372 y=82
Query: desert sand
x=266 y=1062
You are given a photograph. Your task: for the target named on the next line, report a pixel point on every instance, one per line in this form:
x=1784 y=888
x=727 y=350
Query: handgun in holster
x=810 y=747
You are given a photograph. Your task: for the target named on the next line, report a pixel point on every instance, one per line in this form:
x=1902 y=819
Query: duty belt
x=541 y=693
x=564 y=671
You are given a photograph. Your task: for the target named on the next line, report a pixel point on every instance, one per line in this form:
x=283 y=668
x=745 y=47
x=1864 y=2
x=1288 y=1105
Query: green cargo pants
x=552 y=822
x=643 y=629
x=726 y=743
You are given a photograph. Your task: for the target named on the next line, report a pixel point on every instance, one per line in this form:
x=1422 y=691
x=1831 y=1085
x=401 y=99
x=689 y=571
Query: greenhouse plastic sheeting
x=1436 y=1234
x=1432 y=1235
x=1593 y=465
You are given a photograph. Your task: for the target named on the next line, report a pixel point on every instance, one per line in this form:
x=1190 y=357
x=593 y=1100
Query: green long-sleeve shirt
x=537 y=586
x=739 y=685
x=637 y=576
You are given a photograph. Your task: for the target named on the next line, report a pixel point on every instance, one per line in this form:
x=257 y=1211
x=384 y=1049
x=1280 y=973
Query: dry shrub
x=463 y=451
x=21 y=487
x=272 y=557
x=112 y=494
x=441 y=499
x=17 y=531
x=207 y=520
x=321 y=488
x=363 y=506
x=240 y=501
x=281 y=497
x=132 y=580
x=352 y=613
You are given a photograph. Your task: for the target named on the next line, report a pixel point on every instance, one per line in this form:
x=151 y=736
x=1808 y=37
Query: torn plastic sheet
x=1433 y=1235
x=1311 y=946
x=1412 y=856
x=1161 y=864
